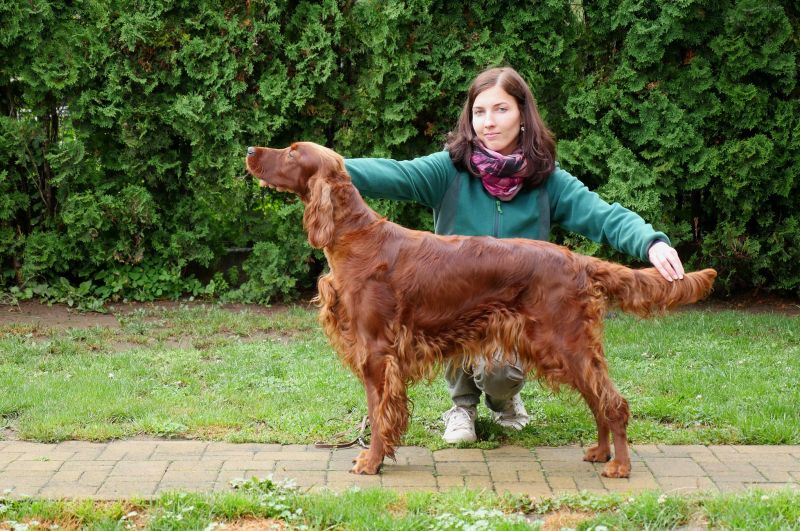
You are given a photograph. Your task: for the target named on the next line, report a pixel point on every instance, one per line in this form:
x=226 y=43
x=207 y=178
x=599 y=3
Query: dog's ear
x=318 y=215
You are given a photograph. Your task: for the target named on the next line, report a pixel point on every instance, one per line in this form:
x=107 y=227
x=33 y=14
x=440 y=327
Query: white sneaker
x=514 y=415
x=459 y=424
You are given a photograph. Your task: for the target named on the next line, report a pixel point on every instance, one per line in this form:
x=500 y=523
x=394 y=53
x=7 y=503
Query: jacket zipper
x=497 y=215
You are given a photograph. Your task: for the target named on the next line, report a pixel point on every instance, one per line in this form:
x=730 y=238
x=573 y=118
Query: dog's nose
x=251 y=151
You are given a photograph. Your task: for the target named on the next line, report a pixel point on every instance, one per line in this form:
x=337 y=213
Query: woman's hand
x=666 y=260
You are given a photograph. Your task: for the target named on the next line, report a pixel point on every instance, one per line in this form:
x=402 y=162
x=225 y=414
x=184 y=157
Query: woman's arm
x=578 y=209
x=423 y=180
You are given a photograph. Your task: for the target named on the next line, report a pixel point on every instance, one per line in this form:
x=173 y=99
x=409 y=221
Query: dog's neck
x=350 y=212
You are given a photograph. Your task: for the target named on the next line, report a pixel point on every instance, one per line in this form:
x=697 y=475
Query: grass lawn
x=696 y=376
x=262 y=504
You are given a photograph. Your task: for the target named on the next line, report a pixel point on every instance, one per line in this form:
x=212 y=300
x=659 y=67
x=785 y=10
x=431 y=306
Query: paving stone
x=478 y=482
x=94 y=478
x=504 y=475
x=292 y=456
x=181 y=447
x=189 y=476
x=647 y=450
x=534 y=490
x=66 y=476
x=160 y=456
x=127 y=489
x=737 y=472
x=24 y=447
x=574 y=468
x=447 y=482
x=591 y=484
x=66 y=490
x=726 y=487
x=80 y=446
x=346 y=480
x=50 y=455
x=784 y=461
x=674 y=466
x=294 y=448
x=636 y=483
x=139 y=469
x=346 y=454
x=88 y=465
x=683 y=450
x=17 y=478
x=31 y=466
x=776 y=474
x=458 y=454
x=301 y=465
x=184 y=486
x=562 y=482
x=765 y=449
x=685 y=485
x=143 y=468
x=247 y=464
x=302 y=478
x=8 y=457
x=509 y=453
x=205 y=464
x=226 y=476
x=408 y=478
x=772 y=485
x=566 y=453
x=468 y=468
x=520 y=466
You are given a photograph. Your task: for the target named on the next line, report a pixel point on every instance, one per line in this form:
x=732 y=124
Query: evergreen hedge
x=124 y=125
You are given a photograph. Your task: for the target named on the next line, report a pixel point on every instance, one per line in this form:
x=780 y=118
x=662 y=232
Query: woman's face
x=496 y=119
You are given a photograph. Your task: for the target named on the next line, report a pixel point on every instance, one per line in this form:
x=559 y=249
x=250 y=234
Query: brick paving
x=146 y=468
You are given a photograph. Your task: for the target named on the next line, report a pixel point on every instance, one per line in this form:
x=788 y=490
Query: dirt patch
x=58 y=316
x=564 y=520
x=754 y=303
x=40 y=316
x=253 y=524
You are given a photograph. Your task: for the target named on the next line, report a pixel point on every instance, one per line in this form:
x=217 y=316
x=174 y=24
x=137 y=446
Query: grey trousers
x=499 y=383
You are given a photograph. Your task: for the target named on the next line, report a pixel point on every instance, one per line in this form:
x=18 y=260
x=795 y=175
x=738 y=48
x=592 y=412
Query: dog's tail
x=644 y=291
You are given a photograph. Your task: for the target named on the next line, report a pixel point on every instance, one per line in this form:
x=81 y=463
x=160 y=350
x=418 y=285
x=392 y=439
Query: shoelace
x=457 y=418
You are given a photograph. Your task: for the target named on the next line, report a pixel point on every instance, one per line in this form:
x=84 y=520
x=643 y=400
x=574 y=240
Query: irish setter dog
x=397 y=303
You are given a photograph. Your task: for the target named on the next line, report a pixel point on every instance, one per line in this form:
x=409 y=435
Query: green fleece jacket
x=462 y=206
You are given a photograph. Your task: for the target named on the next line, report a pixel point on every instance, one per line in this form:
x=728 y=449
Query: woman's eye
x=477 y=113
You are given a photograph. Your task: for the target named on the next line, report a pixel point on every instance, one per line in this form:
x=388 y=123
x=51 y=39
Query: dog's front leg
x=369 y=461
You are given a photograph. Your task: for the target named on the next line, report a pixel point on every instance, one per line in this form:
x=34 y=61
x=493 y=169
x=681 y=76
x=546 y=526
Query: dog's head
x=298 y=168
x=308 y=170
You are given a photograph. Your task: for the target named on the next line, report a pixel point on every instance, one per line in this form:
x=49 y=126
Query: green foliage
x=688 y=113
x=123 y=126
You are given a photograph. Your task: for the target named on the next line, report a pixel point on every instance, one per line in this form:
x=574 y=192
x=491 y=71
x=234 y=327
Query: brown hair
x=537 y=141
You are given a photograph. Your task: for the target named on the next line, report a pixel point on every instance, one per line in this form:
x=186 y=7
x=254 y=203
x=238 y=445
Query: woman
x=498 y=177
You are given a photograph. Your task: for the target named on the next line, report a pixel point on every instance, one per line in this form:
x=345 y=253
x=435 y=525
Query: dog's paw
x=597 y=454
x=366 y=468
x=616 y=469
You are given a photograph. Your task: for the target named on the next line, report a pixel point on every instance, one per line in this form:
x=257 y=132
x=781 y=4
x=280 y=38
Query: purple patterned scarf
x=502 y=175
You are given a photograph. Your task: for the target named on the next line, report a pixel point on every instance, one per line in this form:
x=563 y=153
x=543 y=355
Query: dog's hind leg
x=611 y=414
